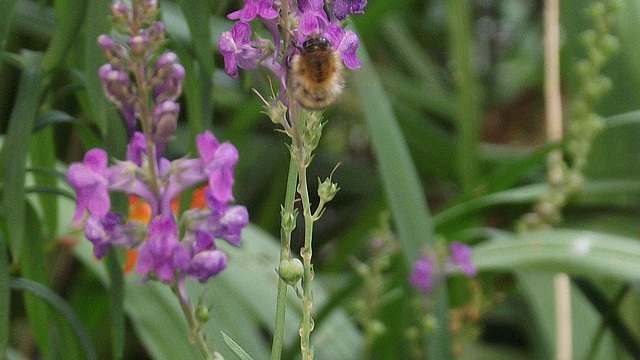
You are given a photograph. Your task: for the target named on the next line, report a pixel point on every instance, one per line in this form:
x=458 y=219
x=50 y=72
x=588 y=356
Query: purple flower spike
x=89 y=180
x=207 y=264
x=461 y=256
x=162 y=253
x=218 y=161
x=237 y=49
x=422 y=275
x=253 y=8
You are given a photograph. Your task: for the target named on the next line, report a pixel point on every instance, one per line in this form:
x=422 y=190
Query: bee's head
x=316 y=44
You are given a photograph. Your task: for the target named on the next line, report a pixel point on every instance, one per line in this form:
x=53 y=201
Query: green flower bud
x=291 y=271
x=589 y=38
x=327 y=190
x=597 y=10
x=202 y=314
x=288 y=219
x=609 y=44
x=375 y=328
x=584 y=68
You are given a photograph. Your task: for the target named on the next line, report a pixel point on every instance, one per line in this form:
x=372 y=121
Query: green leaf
x=235 y=348
x=579 y=253
x=7 y=8
x=14 y=154
x=59 y=304
x=42 y=155
x=69 y=18
x=196 y=13
x=116 y=290
x=34 y=268
x=95 y=104
x=5 y=300
x=402 y=186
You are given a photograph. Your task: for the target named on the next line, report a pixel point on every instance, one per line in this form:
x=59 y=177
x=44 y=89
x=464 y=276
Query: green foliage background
x=407 y=135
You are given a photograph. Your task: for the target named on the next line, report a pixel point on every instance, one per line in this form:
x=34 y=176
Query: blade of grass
x=5 y=300
x=403 y=188
x=93 y=101
x=196 y=13
x=235 y=348
x=610 y=316
x=42 y=155
x=14 y=154
x=116 y=291
x=69 y=18
x=459 y=18
x=34 y=267
x=7 y=8
x=59 y=304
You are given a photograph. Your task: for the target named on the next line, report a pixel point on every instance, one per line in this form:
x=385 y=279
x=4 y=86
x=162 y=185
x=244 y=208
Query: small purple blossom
x=90 y=181
x=422 y=274
x=238 y=50
x=430 y=270
x=162 y=253
x=340 y=9
x=346 y=43
x=253 y=8
x=108 y=231
x=218 y=161
x=206 y=264
x=461 y=256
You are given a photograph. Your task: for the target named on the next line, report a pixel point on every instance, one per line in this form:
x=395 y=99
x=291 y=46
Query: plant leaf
x=235 y=348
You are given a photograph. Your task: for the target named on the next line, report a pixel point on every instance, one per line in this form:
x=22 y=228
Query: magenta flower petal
x=89 y=180
x=461 y=256
x=207 y=264
x=422 y=274
x=162 y=253
x=347 y=50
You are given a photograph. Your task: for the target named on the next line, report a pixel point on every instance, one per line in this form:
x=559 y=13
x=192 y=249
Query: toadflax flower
x=430 y=270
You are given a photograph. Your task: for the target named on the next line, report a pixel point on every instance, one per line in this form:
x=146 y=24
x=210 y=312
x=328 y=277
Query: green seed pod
x=291 y=271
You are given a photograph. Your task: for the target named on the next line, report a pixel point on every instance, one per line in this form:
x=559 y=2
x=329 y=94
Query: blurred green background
x=475 y=138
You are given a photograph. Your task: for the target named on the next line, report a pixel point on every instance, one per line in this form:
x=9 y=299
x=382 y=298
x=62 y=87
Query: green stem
x=285 y=253
x=194 y=326
x=307 y=297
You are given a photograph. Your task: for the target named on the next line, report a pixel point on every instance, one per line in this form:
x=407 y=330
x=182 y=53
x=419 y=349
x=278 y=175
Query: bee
x=315 y=76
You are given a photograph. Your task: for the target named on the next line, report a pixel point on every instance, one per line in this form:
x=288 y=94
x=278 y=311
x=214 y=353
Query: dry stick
x=553 y=105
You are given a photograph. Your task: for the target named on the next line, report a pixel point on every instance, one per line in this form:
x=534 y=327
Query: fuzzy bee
x=315 y=76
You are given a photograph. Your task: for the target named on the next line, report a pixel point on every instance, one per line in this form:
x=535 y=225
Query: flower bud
x=165 y=116
x=589 y=38
x=120 y=12
x=597 y=10
x=291 y=270
x=202 y=314
x=609 y=44
x=288 y=219
x=327 y=190
x=138 y=45
x=150 y=9
x=156 y=33
x=114 y=52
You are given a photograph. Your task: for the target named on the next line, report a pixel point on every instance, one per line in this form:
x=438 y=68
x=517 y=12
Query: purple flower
x=218 y=161
x=106 y=231
x=313 y=19
x=90 y=181
x=238 y=50
x=253 y=8
x=346 y=43
x=461 y=256
x=225 y=223
x=422 y=274
x=206 y=264
x=343 y=8
x=162 y=253
x=182 y=174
